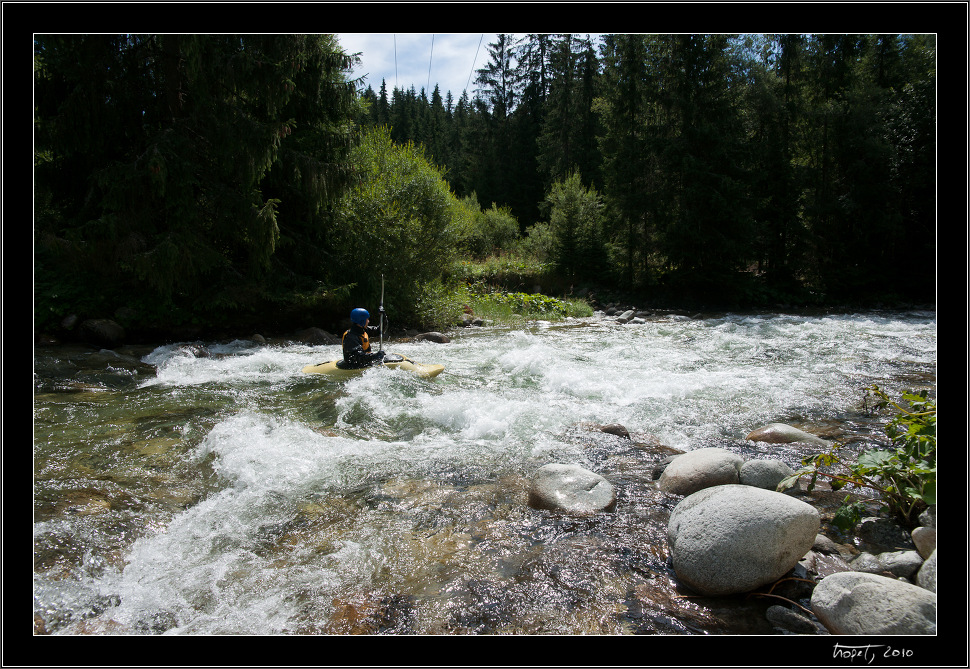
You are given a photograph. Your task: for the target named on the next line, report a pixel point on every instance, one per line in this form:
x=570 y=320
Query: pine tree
x=154 y=154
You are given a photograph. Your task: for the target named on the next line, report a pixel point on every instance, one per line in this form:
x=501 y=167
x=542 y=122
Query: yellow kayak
x=391 y=361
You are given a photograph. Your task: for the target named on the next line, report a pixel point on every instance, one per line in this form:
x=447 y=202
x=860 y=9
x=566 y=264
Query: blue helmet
x=359 y=316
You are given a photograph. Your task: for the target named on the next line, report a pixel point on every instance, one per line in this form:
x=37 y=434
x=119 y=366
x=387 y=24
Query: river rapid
x=212 y=488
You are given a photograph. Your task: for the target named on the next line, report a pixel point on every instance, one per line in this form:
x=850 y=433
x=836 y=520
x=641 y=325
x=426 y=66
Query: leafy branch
x=904 y=474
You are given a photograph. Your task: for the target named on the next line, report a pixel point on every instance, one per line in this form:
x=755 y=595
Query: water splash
x=231 y=494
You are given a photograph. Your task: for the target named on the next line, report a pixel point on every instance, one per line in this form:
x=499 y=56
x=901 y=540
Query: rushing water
x=206 y=488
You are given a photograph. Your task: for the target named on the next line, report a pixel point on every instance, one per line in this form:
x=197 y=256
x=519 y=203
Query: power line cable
x=473 y=63
x=429 y=63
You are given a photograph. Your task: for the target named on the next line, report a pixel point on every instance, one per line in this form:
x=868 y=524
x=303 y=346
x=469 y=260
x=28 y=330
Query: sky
x=419 y=59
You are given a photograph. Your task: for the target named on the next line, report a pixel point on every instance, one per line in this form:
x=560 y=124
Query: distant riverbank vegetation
x=225 y=182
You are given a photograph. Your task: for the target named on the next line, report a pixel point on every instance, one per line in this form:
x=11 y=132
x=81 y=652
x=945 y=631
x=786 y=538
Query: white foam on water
x=500 y=405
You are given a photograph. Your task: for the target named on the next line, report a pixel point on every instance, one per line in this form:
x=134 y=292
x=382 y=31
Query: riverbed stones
x=765 y=474
x=571 y=489
x=730 y=539
x=780 y=433
x=699 y=469
x=852 y=602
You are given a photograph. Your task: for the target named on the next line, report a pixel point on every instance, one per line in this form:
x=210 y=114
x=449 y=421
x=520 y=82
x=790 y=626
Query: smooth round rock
x=572 y=489
x=780 y=433
x=734 y=538
x=852 y=602
x=765 y=474
x=699 y=469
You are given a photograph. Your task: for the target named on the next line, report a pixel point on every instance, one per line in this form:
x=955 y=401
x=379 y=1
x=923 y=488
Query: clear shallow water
x=226 y=492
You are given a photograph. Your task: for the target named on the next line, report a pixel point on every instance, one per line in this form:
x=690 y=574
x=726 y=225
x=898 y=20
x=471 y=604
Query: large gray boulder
x=699 y=469
x=571 y=489
x=852 y=602
x=734 y=538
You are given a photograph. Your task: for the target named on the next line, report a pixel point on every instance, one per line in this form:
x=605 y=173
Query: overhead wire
x=473 y=63
x=430 y=58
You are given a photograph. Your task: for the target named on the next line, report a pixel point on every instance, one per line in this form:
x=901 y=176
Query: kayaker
x=356 y=341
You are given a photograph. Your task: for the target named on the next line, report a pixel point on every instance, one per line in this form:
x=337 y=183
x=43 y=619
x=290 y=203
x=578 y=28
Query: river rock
x=734 y=538
x=925 y=540
x=436 y=337
x=898 y=563
x=615 y=429
x=316 y=336
x=883 y=534
x=572 y=489
x=765 y=474
x=699 y=469
x=786 y=619
x=852 y=602
x=779 y=433
x=926 y=577
x=102 y=332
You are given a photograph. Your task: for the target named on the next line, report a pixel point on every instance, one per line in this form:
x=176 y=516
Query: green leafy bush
x=527 y=305
x=487 y=230
x=400 y=219
x=904 y=474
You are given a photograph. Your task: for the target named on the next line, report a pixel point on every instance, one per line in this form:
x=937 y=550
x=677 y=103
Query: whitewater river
x=212 y=488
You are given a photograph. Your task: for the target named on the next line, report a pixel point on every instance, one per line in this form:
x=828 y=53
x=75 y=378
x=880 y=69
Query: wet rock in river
x=572 y=489
x=435 y=337
x=702 y=468
x=852 y=602
x=765 y=474
x=779 y=433
x=734 y=538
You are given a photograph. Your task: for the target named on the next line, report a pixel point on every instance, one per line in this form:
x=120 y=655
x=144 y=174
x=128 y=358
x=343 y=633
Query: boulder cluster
x=733 y=532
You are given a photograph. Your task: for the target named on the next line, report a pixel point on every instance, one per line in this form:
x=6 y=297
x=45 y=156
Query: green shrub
x=400 y=220
x=904 y=474
x=487 y=231
x=502 y=306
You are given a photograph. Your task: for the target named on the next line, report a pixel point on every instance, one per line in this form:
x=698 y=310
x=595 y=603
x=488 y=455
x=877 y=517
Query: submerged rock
x=572 y=489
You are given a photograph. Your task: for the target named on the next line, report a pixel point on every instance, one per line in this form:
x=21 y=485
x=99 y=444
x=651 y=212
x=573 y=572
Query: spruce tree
x=153 y=155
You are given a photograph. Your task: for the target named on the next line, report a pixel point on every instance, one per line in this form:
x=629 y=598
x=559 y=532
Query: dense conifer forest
x=249 y=181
